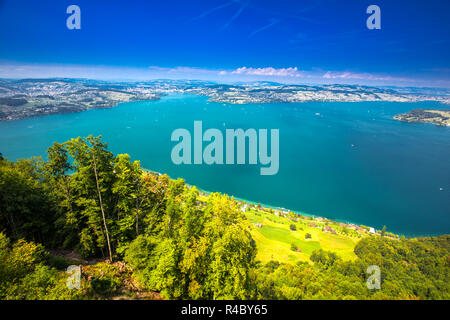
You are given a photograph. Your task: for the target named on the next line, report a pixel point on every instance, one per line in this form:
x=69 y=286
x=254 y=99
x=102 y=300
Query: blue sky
x=301 y=41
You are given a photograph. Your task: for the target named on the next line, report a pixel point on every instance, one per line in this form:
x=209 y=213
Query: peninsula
x=438 y=117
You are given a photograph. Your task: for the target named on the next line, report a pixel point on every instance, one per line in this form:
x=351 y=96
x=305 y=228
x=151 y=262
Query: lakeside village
x=324 y=224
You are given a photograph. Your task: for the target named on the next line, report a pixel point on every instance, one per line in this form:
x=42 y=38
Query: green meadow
x=274 y=238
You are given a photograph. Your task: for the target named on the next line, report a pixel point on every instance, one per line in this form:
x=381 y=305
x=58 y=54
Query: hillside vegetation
x=141 y=235
x=274 y=238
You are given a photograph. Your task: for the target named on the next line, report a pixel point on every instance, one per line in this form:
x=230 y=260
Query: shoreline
x=42 y=106
x=295 y=211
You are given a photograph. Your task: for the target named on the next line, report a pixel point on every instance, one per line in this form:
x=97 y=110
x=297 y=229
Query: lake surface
x=347 y=161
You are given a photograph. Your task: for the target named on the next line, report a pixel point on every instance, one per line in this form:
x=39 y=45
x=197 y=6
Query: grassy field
x=274 y=239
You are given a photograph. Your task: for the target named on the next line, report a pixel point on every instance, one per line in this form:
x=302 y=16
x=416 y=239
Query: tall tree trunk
x=10 y=219
x=137 y=216
x=139 y=203
x=67 y=192
x=101 y=206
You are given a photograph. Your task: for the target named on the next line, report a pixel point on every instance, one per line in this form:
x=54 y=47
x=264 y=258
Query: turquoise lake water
x=345 y=161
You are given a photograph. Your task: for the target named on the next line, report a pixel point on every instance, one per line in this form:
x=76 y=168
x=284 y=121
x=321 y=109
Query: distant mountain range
x=35 y=97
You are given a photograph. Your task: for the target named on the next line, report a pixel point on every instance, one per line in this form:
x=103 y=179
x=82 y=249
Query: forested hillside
x=141 y=235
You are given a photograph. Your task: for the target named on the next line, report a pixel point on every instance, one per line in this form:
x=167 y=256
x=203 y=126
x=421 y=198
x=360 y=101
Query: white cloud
x=282 y=72
x=282 y=75
x=362 y=76
x=187 y=70
x=14 y=70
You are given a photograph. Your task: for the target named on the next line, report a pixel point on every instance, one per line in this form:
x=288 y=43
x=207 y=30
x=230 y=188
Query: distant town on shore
x=36 y=97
